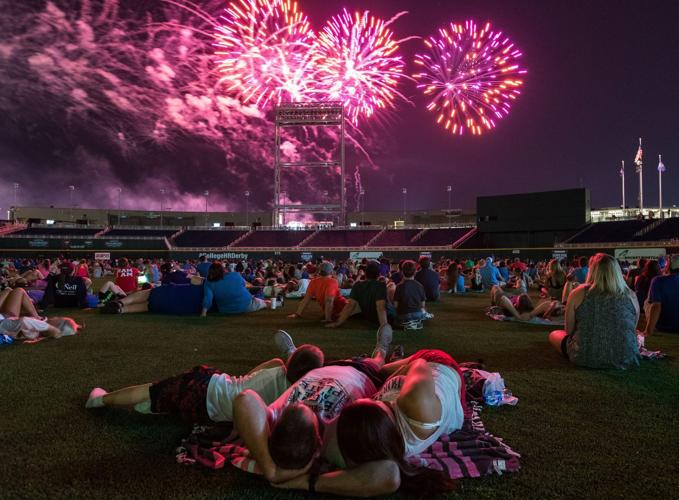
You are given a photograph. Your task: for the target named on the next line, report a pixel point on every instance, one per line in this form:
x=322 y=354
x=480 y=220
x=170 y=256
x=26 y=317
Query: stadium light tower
x=206 y=193
x=404 y=191
x=71 y=190
x=16 y=197
x=247 y=208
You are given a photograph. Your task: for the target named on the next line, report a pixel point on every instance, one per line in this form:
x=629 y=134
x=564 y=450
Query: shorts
x=184 y=395
x=256 y=305
x=367 y=366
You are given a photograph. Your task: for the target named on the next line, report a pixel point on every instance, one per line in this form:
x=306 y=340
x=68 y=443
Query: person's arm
x=381 y=306
x=329 y=304
x=272 y=363
x=208 y=296
x=345 y=314
x=654 y=302
x=423 y=306
x=366 y=480
x=574 y=300
x=418 y=397
x=302 y=305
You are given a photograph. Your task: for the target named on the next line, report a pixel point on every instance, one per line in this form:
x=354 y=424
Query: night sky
x=600 y=75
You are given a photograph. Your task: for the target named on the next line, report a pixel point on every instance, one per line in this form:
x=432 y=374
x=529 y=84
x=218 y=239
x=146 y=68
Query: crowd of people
x=365 y=416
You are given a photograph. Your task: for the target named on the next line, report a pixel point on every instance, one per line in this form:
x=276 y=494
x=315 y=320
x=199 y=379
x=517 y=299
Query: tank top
x=447 y=390
x=605 y=332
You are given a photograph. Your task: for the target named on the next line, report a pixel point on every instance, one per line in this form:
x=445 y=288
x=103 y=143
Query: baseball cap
x=326 y=269
x=66 y=267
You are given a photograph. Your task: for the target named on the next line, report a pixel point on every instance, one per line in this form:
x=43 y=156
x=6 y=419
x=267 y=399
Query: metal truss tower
x=316 y=114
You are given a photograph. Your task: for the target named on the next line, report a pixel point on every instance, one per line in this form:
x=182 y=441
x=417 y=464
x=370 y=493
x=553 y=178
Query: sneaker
x=106 y=297
x=414 y=324
x=284 y=343
x=384 y=335
x=112 y=307
x=428 y=315
x=94 y=399
x=397 y=353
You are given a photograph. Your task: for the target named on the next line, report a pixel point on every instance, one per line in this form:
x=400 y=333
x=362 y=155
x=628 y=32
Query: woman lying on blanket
x=20 y=320
x=421 y=400
x=203 y=394
x=521 y=306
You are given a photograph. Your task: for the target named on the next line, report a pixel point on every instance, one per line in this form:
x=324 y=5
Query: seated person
x=64 y=289
x=203 y=394
x=296 y=288
x=429 y=279
x=229 y=293
x=521 y=306
x=125 y=282
x=368 y=299
x=553 y=284
x=601 y=319
x=325 y=289
x=663 y=301
x=490 y=275
x=410 y=297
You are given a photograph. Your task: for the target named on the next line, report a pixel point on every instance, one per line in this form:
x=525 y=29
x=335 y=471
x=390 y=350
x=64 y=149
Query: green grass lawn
x=581 y=433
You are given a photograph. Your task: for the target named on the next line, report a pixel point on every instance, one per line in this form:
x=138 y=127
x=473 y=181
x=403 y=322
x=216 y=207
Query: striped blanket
x=467 y=453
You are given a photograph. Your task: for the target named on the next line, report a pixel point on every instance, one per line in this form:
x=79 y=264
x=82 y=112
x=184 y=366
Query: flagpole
x=661 y=169
x=640 y=169
x=622 y=175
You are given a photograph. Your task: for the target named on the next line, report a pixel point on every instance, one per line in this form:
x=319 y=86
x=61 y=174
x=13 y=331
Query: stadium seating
x=666 y=230
x=207 y=238
x=282 y=238
x=341 y=238
x=441 y=237
x=141 y=232
x=59 y=231
x=395 y=238
x=613 y=231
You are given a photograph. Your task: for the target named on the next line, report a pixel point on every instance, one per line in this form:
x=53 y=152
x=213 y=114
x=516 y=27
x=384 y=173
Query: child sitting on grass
x=204 y=394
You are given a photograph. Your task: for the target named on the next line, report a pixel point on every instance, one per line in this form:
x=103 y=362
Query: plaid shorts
x=184 y=395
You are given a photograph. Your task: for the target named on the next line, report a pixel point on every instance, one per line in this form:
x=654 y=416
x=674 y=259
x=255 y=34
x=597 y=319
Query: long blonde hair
x=605 y=276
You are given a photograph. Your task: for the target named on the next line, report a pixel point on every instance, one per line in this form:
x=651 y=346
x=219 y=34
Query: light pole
x=449 y=189
x=120 y=215
x=206 y=193
x=247 y=208
x=661 y=169
x=622 y=178
x=71 y=190
x=284 y=195
x=404 y=191
x=361 y=204
x=162 y=202
x=325 y=203
x=16 y=197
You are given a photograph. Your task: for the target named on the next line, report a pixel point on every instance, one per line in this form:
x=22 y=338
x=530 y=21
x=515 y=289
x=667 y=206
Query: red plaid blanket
x=469 y=452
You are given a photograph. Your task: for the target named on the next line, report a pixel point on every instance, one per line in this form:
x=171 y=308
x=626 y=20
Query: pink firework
x=472 y=76
x=264 y=51
x=357 y=63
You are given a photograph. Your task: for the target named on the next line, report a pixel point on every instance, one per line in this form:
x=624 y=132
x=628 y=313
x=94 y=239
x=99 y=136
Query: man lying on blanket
x=205 y=395
x=328 y=413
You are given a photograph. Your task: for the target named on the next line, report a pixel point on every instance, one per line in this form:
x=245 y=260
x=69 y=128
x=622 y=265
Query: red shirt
x=126 y=278
x=327 y=286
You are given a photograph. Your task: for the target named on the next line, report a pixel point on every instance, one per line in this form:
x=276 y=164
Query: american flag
x=639 y=157
x=661 y=165
x=622 y=169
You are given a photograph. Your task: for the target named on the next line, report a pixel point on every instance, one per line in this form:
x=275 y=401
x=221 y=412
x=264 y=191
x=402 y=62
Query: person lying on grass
x=286 y=437
x=420 y=401
x=20 y=320
x=521 y=306
x=204 y=395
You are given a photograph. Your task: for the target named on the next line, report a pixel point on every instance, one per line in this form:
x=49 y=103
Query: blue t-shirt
x=229 y=293
x=431 y=282
x=460 y=284
x=504 y=272
x=665 y=290
x=490 y=275
x=203 y=268
x=580 y=274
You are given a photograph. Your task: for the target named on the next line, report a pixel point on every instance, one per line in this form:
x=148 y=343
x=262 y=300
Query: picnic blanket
x=469 y=452
x=495 y=313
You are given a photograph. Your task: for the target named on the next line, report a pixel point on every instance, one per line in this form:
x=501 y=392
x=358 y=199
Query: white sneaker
x=284 y=343
x=414 y=324
x=428 y=315
x=94 y=399
x=273 y=304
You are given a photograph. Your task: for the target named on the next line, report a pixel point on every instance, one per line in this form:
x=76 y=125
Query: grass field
x=582 y=433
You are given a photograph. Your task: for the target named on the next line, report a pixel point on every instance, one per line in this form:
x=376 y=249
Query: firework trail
x=264 y=51
x=471 y=75
x=357 y=63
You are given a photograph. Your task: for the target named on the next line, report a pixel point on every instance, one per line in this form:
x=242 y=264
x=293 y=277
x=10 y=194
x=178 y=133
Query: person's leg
x=140 y=297
x=3 y=296
x=556 y=339
x=128 y=396
x=27 y=306
x=12 y=304
x=109 y=286
x=138 y=307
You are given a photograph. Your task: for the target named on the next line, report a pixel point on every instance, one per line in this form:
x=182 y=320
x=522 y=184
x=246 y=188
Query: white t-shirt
x=447 y=389
x=269 y=383
x=25 y=327
x=303 y=285
x=326 y=391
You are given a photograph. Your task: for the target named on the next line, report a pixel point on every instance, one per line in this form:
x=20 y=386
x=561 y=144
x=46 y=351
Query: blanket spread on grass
x=469 y=452
x=495 y=313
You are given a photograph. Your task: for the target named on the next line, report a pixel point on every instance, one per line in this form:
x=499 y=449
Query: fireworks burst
x=472 y=76
x=357 y=63
x=264 y=51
